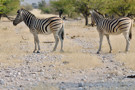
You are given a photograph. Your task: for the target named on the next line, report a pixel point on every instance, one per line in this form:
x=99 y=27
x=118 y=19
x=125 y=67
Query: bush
x=46 y=10
x=43 y=7
x=27 y=6
x=9 y=6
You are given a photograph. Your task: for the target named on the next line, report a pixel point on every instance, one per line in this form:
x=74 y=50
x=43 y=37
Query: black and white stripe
x=112 y=27
x=41 y=26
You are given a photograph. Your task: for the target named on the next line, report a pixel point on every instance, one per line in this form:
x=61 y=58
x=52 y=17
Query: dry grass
x=81 y=61
x=128 y=59
x=8 y=43
x=77 y=29
x=37 y=13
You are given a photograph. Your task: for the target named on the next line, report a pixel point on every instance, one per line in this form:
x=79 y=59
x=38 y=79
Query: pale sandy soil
x=78 y=68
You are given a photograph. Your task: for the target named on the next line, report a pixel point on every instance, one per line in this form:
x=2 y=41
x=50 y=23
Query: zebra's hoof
x=52 y=51
x=126 y=52
x=110 y=51
x=38 y=52
x=61 y=51
x=34 y=51
x=98 y=52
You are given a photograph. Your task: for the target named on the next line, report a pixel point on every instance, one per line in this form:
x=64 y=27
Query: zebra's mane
x=99 y=14
x=28 y=12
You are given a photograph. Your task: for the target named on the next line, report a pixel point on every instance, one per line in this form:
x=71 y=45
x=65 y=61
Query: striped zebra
x=112 y=27
x=41 y=26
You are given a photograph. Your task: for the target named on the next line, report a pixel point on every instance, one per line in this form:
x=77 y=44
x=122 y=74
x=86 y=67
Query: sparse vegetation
x=63 y=7
x=27 y=6
x=44 y=8
x=110 y=8
x=120 y=7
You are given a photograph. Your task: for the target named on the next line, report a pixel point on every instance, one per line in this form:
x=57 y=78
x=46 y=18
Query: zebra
x=41 y=26
x=112 y=27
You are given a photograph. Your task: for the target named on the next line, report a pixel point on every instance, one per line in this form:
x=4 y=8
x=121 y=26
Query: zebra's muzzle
x=14 y=23
x=92 y=24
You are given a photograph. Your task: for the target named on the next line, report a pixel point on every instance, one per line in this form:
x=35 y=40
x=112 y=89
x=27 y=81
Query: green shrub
x=46 y=10
x=9 y=6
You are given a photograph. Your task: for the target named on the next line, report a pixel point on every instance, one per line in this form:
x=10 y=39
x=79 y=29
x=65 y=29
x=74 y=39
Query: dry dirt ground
x=78 y=68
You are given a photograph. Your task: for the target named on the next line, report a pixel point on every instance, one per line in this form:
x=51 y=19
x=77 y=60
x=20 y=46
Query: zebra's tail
x=130 y=32
x=62 y=33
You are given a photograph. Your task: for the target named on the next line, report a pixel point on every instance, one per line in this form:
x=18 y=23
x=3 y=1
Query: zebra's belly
x=44 y=31
x=113 y=33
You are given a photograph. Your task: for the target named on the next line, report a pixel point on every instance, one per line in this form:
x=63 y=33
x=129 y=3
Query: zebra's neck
x=28 y=18
x=97 y=19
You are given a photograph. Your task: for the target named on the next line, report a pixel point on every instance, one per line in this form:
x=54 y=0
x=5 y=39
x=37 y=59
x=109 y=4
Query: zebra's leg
x=108 y=39
x=126 y=35
x=100 y=42
x=61 y=36
x=36 y=41
x=35 y=45
x=56 y=41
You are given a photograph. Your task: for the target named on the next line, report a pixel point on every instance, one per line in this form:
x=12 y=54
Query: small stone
x=65 y=62
x=27 y=79
x=80 y=84
x=111 y=60
x=19 y=89
x=19 y=73
x=20 y=86
x=82 y=80
x=42 y=73
x=2 y=82
x=60 y=75
x=38 y=79
x=51 y=66
x=62 y=82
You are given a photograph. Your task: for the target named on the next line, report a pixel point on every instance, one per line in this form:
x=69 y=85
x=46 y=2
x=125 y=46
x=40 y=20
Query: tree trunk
x=60 y=13
x=0 y=16
x=86 y=20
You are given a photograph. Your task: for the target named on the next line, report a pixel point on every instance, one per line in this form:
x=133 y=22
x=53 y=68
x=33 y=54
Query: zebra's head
x=94 y=15
x=92 y=18
x=18 y=18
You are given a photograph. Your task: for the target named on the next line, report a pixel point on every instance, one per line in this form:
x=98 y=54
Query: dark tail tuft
x=62 y=35
x=130 y=35
x=130 y=32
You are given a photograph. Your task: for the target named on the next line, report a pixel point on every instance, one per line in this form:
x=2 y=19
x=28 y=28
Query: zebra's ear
x=22 y=8
x=18 y=11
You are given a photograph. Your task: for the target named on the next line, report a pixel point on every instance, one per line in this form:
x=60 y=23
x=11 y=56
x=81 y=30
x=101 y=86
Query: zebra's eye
x=18 y=15
x=18 y=11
